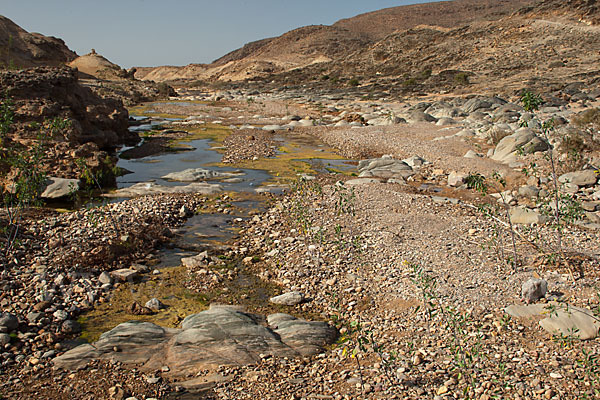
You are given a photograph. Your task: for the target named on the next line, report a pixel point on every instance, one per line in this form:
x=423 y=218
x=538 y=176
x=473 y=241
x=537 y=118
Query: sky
x=176 y=32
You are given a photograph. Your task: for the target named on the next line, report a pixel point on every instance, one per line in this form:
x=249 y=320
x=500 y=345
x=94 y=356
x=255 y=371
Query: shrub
x=353 y=82
x=462 y=78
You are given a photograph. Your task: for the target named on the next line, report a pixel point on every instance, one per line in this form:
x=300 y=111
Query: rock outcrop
x=45 y=93
x=221 y=335
x=23 y=49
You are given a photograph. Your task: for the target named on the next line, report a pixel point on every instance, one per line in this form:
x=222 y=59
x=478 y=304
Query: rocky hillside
x=460 y=46
x=585 y=11
x=448 y=14
x=19 y=48
x=316 y=45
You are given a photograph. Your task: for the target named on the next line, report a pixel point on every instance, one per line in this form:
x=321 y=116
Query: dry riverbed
x=411 y=274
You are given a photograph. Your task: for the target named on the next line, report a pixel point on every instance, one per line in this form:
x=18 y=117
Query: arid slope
x=19 y=48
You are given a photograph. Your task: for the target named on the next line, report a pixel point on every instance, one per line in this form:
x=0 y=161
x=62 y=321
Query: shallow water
x=296 y=154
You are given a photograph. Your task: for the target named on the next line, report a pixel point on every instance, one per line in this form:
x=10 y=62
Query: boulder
x=525 y=139
x=525 y=216
x=199 y=260
x=197 y=174
x=472 y=154
x=105 y=278
x=70 y=326
x=560 y=319
x=456 y=179
x=476 y=104
x=361 y=181
x=384 y=167
x=288 y=299
x=154 y=304
x=125 y=275
x=529 y=191
x=59 y=187
x=420 y=116
x=150 y=188
x=4 y=339
x=585 y=178
x=533 y=290
x=9 y=321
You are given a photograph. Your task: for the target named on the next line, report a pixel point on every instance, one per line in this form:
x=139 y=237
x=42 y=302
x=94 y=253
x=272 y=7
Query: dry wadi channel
x=360 y=263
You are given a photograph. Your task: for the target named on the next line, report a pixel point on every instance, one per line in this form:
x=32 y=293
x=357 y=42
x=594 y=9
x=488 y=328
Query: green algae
x=292 y=160
x=168 y=287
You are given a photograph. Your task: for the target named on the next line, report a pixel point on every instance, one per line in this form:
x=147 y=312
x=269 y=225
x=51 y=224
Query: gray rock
x=221 y=335
x=384 y=167
x=456 y=179
x=48 y=354
x=272 y=128
x=196 y=261
x=476 y=104
x=70 y=326
x=472 y=154
x=533 y=290
x=445 y=121
x=34 y=317
x=525 y=216
x=105 y=278
x=125 y=275
x=575 y=321
x=59 y=187
x=197 y=174
x=521 y=311
x=4 y=339
x=288 y=299
x=583 y=178
x=154 y=304
x=149 y=188
x=9 y=321
x=60 y=315
x=420 y=116
x=361 y=181
x=524 y=139
x=415 y=161
x=529 y=191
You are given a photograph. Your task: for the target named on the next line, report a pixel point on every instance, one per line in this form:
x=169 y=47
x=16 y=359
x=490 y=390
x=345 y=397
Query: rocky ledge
x=221 y=335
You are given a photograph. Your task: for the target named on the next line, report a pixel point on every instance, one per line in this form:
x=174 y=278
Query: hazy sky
x=177 y=32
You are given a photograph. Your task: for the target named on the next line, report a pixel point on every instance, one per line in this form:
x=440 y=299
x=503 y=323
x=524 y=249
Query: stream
x=207 y=230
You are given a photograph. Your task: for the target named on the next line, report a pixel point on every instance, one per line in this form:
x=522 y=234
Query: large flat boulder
x=149 y=188
x=198 y=174
x=221 y=335
x=384 y=167
x=59 y=187
x=587 y=177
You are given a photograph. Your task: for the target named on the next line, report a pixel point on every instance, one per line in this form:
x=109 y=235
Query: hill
x=448 y=14
x=95 y=65
x=19 y=48
x=317 y=45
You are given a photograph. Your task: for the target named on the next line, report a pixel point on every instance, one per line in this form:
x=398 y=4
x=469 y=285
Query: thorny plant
x=480 y=183
x=561 y=207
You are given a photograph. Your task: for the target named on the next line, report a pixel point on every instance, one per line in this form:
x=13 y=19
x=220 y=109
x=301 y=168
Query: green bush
x=462 y=78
